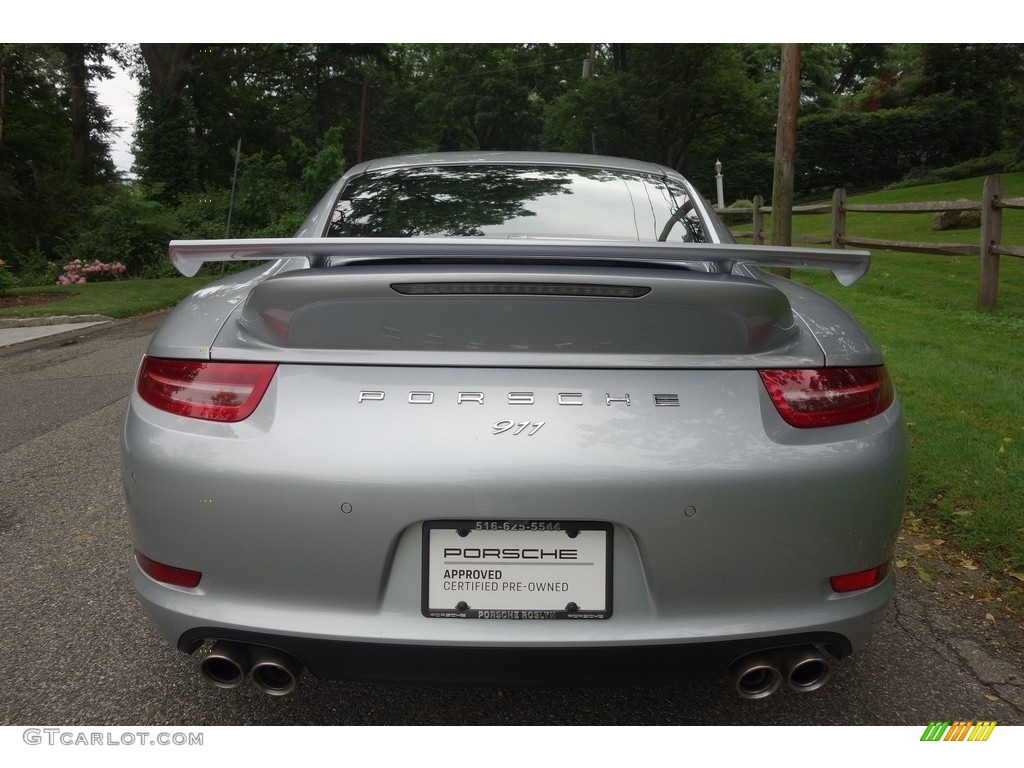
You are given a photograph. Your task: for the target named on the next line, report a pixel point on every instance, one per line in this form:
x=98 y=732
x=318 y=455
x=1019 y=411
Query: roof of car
x=509 y=158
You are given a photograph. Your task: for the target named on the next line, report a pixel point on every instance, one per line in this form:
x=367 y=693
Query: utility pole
x=362 y=120
x=234 y=179
x=231 y=202
x=589 y=71
x=785 y=146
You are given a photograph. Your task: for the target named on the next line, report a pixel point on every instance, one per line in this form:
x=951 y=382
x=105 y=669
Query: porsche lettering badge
x=423 y=397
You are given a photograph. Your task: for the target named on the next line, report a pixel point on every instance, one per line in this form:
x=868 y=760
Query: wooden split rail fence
x=989 y=249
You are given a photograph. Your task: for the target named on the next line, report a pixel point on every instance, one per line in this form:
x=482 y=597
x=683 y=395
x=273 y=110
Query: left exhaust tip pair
x=227 y=664
x=760 y=675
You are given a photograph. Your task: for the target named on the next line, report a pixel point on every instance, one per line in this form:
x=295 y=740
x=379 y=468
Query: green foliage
x=681 y=105
x=39 y=193
x=54 y=160
x=873 y=114
x=7 y=280
x=167 y=162
x=202 y=216
x=127 y=226
x=322 y=170
x=197 y=102
x=266 y=201
x=998 y=162
x=485 y=96
x=872 y=149
x=34 y=268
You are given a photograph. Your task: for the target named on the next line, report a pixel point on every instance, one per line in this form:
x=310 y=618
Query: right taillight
x=851 y=582
x=827 y=397
x=204 y=390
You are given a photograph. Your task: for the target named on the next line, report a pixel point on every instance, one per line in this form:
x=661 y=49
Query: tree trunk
x=785 y=146
x=78 y=82
x=168 y=65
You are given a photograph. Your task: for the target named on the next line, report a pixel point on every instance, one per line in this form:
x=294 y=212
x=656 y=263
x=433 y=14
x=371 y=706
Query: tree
x=40 y=195
x=487 y=96
x=164 y=146
x=680 y=105
x=90 y=121
x=197 y=101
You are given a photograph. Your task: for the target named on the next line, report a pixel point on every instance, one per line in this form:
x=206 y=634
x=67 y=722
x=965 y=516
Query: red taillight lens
x=850 y=582
x=204 y=390
x=168 y=574
x=826 y=397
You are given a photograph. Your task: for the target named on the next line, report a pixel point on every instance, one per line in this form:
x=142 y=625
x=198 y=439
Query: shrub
x=31 y=266
x=127 y=228
x=78 y=272
x=997 y=162
x=7 y=280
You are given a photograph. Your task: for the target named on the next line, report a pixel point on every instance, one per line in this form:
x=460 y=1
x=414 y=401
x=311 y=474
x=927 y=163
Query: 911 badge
x=529 y=428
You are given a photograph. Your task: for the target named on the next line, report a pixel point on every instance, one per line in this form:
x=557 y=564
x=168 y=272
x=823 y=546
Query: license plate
x=517 y=569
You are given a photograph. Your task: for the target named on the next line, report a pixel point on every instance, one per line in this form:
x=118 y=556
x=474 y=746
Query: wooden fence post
x=838 y=217
x=758 y=220
x=991 y=235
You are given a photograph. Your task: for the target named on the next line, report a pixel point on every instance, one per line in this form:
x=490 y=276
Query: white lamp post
x=718 y=182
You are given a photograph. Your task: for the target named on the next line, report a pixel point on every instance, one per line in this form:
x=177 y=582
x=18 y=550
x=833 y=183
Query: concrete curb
x=32 y=322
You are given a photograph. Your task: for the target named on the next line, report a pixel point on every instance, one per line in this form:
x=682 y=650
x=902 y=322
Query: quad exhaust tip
x=227 y=664
x=273 y=672
x=806 y=669
x=759 y=675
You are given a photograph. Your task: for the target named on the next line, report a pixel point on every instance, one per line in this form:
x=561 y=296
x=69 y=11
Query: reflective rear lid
x=508 y=310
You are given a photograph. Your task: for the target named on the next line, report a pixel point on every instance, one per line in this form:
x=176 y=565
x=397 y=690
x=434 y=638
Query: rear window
x=514 y=201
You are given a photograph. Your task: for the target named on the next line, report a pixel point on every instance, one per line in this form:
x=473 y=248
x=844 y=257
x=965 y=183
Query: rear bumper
x=342 y=660
x=512 y=652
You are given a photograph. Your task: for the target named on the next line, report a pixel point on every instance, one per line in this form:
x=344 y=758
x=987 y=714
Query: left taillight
x=827 y=397
x=168 y=574
x=200 y=389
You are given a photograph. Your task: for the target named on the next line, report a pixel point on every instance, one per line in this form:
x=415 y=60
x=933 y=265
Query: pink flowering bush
x=78 y=272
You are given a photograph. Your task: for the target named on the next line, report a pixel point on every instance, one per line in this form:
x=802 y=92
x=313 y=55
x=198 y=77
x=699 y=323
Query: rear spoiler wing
x=189 y=255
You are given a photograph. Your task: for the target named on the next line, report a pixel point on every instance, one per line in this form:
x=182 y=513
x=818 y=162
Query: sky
x=119 y=95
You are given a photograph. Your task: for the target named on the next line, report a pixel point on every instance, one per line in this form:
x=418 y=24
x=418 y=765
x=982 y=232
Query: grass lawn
x=120 y=298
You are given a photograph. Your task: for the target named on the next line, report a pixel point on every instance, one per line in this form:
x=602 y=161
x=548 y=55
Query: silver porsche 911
x=513 y=417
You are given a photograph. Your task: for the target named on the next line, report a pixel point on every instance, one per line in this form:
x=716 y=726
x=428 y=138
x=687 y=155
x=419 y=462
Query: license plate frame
x=517 y=569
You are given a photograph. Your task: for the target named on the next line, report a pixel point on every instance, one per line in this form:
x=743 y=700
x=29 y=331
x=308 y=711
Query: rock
x=957 y=219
